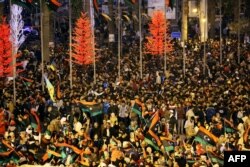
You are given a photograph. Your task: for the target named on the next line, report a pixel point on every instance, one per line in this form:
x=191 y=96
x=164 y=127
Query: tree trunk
x=211 y=18
x=184 y=27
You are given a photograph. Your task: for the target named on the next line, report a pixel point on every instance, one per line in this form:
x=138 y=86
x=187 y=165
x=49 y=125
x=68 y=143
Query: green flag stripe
x=138 y=112
x=150 y=142
x=169 y=148
x=95 y=113
x=200 y=140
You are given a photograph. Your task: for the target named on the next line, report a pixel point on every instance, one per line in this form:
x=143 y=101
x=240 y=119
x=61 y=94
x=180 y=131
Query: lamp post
x=184 y=58
x=204 y=49
x=70 y=47
x=119 y=39
x=220 y=35
x=165 y=35
x=42 y=43
x=93 y=37
x=238 y=47
x=140 y=32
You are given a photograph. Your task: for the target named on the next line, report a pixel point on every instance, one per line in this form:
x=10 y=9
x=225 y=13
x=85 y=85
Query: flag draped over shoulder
x=92 y=108
x=205 y=137
x=50 y=88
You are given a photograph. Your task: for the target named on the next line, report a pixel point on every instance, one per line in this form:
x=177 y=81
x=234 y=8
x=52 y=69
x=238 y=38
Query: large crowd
x=157 y=120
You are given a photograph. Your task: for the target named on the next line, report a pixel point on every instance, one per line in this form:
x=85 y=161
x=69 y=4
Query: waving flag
x=205 y=137
x=92 y=108
x=215 y=158
x=138 y=107
x=154 y=120
x=50 y=88
x=167 y=143
x=151 y=141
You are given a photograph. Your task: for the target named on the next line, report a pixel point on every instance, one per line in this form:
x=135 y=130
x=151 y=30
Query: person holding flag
x=50 y=87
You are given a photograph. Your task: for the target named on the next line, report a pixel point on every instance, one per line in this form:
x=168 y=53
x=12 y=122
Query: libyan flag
x=215 y=158
x=138 y=107
x=228 y=127
x=93 y=109
x=151 y=141
x=205 y=137
x=167 y=143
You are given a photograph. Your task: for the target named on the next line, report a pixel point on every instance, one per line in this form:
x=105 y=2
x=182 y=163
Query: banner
x=159 y=5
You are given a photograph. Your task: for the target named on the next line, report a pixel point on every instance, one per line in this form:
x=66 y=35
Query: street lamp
x=195 y=10
x=140 y=32
x=204 y=49
x=220 y=35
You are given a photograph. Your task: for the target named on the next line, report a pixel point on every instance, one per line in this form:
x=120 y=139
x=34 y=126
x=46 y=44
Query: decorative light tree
x=83 y=50
x=16 y=25
x=5 y=50
x=17 y=38
x=159 y=30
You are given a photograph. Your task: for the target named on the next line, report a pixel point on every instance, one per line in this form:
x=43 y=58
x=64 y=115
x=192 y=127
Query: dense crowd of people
x=157 y=120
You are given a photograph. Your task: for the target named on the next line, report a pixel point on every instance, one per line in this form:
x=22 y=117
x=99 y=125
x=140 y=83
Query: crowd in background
x=148 y=121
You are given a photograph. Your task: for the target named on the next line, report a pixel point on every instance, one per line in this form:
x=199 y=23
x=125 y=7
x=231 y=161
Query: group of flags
x=203 y=136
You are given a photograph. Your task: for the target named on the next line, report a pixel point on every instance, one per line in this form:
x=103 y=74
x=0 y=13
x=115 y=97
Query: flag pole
x=70 y=46
x=119 y=39
x=42 y=45
x=238 y=33
x=140 y=31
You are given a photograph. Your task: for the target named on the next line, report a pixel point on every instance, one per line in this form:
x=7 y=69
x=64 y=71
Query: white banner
x=159 y=5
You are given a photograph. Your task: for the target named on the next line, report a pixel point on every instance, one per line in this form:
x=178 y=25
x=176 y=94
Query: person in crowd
x=94 y=124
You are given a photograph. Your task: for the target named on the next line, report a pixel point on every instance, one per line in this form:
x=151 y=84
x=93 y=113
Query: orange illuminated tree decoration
x=83 y=51
x=5 y=50
x=159 y=30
